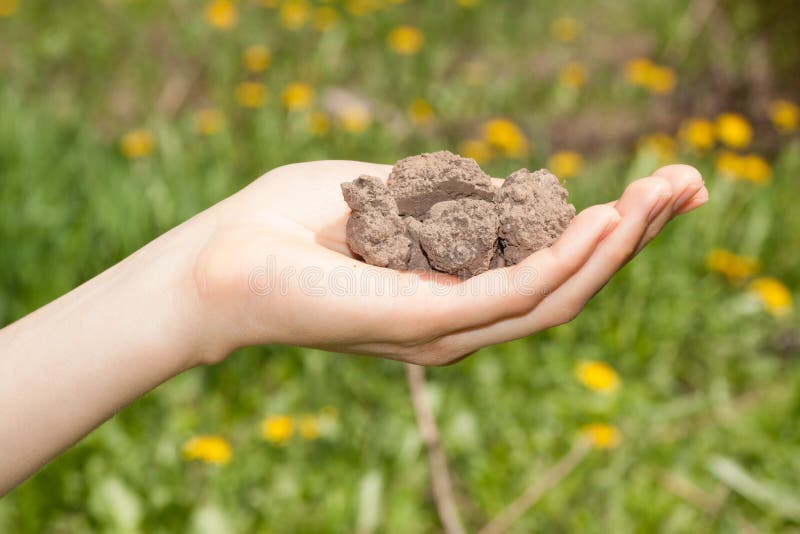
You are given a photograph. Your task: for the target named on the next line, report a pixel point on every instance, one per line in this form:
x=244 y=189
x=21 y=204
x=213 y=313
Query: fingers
x=429 y=306
x=683 y=178
x=437 y=308
x=548 y=288
x=642 y=202
x=700 y=198
x=645 y=207
x=686 y=183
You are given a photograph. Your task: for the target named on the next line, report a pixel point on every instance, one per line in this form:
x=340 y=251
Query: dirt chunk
x=375 y=230
x=533 y=213
x=441 y=212
x=419 y=182
x=459 y=236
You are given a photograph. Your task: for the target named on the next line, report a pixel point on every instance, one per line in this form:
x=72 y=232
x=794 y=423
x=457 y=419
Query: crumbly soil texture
x=441 y=212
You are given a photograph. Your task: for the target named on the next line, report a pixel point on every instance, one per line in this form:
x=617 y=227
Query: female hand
x=276 y=269
x=270 y=265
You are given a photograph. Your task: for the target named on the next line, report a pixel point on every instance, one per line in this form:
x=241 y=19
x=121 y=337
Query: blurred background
x=121 y=118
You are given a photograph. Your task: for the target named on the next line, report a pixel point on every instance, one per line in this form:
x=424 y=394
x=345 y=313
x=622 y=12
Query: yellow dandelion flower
x=732 y=266
x=221 y=14
x=506 y=137
x=420 y=112
x=208 y=121
x=756 y=169
x=325 y=18
x=729 y=164
x=209 y=449
x=785 y=115
x=751 y=167
x=662 y=80
x=660 y=144
x=308 y=427
x=573 y=74
x=298 y=95
x=697 y=133
x=256 y=58
x=477 y=149
x=277 y=428
x=773 y=294
x=318 y=123
x=8 y=7
x=655 y=78
x=294 y=14
x=136 y=144
x=601 y=435
x=405 y=40
x=467 y=3
x=251 y=94
x=637 y=71
x=565 y=163
x=565 y=29
x=734 y=130
x=597 y=376
x=354 y=119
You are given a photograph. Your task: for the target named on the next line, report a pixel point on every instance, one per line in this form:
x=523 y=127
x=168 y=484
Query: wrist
x=167 y=299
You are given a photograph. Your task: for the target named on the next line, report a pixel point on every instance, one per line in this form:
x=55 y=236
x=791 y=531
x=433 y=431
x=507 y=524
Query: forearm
x=72 y=364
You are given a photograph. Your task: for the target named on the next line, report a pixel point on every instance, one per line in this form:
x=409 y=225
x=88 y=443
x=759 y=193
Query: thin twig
x=176 y=91
x=680 y=486
x=440 y=478
x=538 y=489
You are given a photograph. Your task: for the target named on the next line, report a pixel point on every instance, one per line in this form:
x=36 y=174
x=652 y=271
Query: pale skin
x=190 y=298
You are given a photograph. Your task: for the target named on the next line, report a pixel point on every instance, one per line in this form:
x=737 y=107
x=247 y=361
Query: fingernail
x=659 y=207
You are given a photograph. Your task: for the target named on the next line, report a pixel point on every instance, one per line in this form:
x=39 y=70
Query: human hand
x=276 y=269
x=270 y=265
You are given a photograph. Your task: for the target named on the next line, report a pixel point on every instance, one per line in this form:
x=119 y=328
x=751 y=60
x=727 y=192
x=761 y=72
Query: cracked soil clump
x=441 y=212
x=459 y=236
x=375 y=230
x=419 y=182
x=533 y=213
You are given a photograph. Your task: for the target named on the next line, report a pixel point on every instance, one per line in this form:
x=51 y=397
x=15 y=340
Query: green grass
x=76 y=76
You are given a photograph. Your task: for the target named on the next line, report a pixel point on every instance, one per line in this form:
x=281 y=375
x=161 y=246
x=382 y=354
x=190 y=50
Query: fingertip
x=599 y=212
x=699 y=199
x=679 y=172
x=603 y=218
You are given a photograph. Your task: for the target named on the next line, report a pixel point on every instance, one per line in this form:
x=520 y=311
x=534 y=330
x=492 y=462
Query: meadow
x=677 y=389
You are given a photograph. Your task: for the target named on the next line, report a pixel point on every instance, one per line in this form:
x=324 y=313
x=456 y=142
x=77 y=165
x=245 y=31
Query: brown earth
x=441 y=212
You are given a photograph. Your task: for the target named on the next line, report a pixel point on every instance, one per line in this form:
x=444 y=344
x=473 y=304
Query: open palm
x=276 y=269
